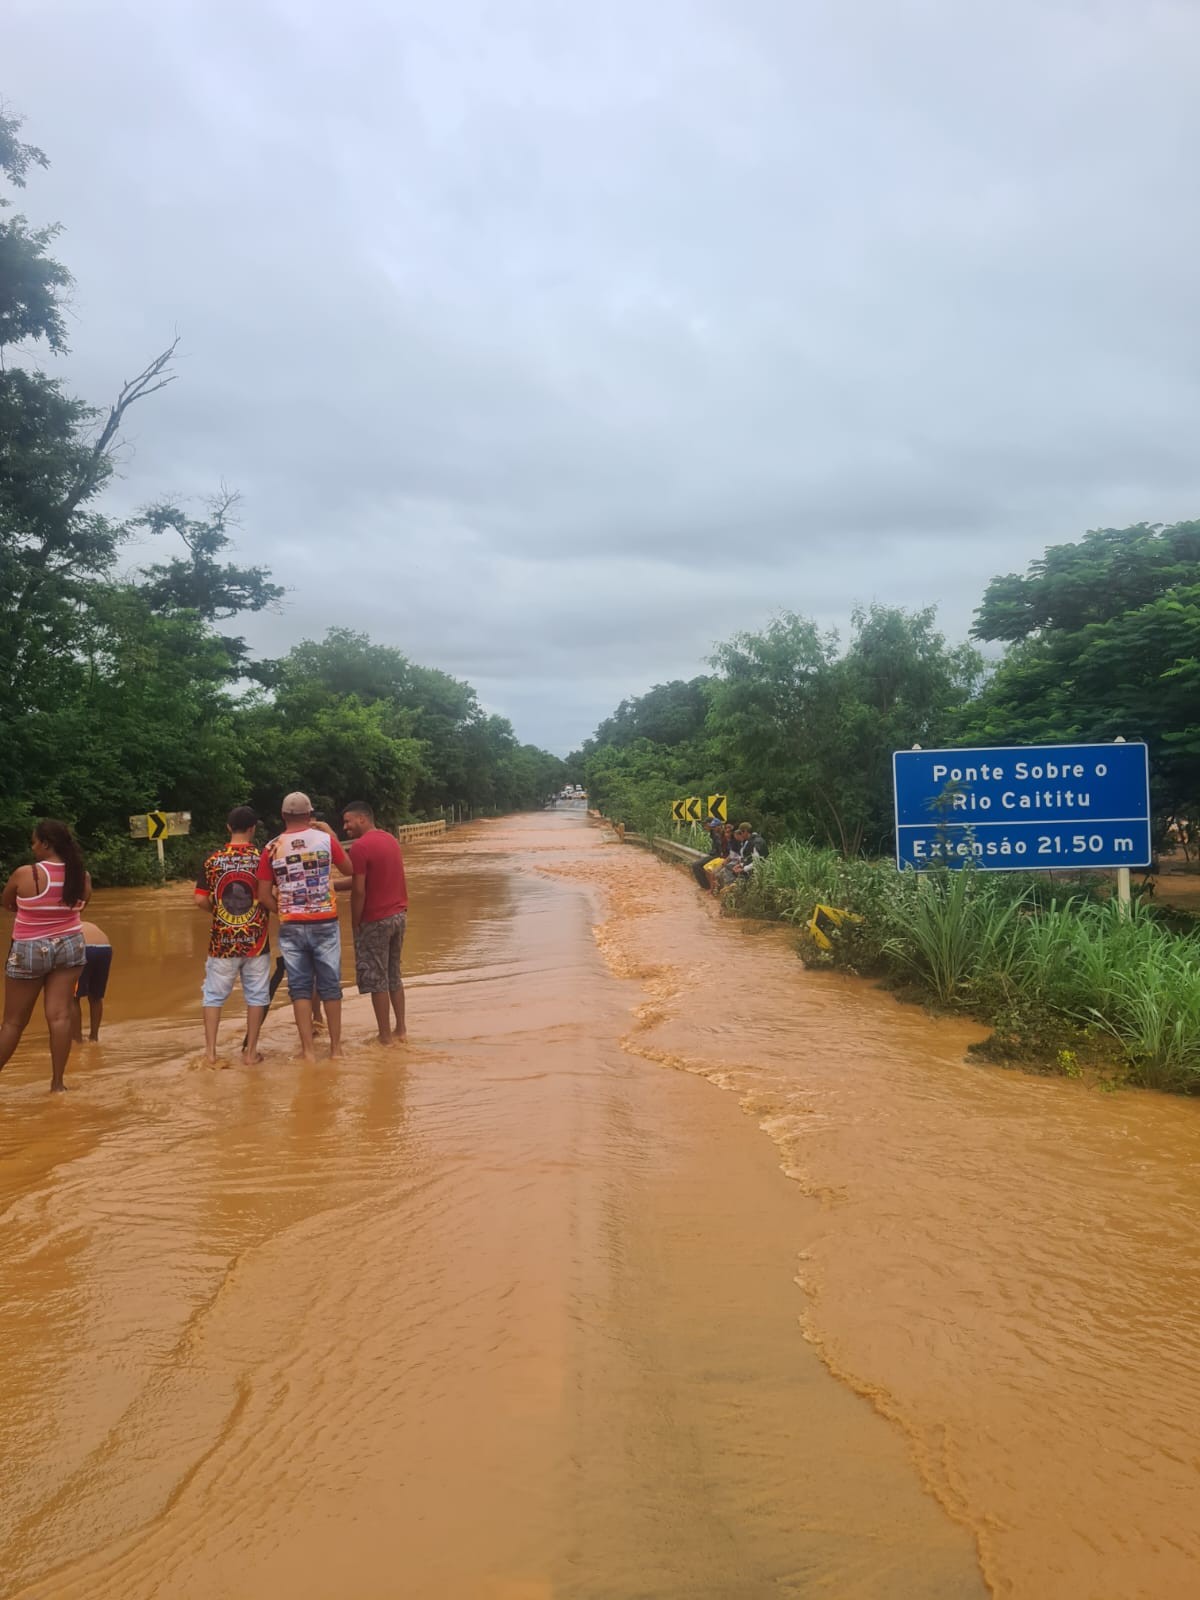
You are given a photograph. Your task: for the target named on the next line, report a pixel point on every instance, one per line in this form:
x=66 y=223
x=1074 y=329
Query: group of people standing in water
x=296 y=877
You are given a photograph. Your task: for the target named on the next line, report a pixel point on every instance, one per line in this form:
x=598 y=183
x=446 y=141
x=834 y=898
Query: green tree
x=31 y=281
x=437 y=708
x=668 y=714
x=55 y=457
x=463 y=757
x=211 y=588
x=1104 y=640
x=635 y=783
x=808 y=734
x=336 y=751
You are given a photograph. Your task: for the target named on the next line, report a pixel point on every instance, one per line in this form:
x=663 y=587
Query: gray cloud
x=590 y=335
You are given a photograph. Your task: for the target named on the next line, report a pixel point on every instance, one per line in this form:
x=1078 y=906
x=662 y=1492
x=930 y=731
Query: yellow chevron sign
x=160 y=824
x=825 y=923
x=718 y=806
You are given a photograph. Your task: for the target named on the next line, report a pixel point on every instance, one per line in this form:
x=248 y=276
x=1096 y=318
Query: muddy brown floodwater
x=534 y=1310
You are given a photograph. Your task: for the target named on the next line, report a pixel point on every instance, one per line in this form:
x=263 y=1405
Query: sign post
x=1025 y=808
x=1124 y=889
x=160 y=825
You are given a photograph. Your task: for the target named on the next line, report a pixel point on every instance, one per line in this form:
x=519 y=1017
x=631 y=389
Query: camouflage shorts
x=377 y=947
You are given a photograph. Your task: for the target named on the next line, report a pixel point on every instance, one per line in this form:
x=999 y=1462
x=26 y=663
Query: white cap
x=295 y=805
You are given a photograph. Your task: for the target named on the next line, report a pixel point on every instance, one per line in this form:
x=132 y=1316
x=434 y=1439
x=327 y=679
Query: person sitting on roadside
x=720 y=844
x=712 y=852
x=93 y=981
x=748 y=849
x=295 y=880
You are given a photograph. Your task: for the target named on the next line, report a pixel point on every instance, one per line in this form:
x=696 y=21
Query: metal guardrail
x=681 y=852
x=420 y=830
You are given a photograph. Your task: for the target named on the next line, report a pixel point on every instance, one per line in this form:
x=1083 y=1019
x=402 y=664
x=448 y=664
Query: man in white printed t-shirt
x=295 y=880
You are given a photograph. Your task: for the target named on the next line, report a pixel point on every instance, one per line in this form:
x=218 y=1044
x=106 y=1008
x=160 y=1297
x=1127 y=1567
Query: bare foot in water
x=251 y=1060
x=304 y=1055
x=336 y=1055
x=58 y=1088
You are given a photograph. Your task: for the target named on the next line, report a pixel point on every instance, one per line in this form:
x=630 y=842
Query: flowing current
x=655 y=1267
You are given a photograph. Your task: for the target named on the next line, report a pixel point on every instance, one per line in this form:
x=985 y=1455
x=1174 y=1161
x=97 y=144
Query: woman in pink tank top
x=47 y=944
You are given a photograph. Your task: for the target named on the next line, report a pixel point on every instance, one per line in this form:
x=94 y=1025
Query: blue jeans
x=312 y=953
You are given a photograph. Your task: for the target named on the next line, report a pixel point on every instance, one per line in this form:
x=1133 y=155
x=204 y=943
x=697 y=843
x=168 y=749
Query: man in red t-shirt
x=378 y=914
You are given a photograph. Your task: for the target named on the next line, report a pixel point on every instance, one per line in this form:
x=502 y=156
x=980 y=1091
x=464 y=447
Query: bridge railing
x=420 y=830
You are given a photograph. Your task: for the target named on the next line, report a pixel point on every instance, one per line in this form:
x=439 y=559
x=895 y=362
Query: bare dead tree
x=39 y=558
x=149 y=381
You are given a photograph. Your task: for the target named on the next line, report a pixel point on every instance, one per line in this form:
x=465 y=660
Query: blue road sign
x=1024 y=808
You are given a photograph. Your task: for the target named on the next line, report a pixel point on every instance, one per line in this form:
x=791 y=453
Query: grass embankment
x=1067 y=983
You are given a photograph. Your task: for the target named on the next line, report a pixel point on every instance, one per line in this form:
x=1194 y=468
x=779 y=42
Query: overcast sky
x=553 y=341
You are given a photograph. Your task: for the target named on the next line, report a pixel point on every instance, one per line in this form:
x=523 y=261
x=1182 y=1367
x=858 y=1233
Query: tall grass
x=962 y=932
x=1140 y=984
x=999 y=946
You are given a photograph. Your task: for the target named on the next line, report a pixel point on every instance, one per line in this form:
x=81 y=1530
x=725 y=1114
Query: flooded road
x=528 y=1311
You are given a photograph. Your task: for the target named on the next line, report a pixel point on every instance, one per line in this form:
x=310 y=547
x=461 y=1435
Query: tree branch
x=149 y=381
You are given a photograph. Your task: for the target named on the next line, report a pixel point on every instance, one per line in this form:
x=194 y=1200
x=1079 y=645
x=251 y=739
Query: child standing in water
x=93 y=981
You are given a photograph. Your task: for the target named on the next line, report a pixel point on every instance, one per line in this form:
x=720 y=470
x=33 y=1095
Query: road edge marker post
x=1124 y=886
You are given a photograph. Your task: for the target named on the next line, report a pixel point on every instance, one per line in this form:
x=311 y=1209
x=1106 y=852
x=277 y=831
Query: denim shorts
x=221 y=973
x=34 y=958
x=312 y=953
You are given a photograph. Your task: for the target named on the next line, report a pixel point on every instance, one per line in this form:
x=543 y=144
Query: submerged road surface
x=528 y=1311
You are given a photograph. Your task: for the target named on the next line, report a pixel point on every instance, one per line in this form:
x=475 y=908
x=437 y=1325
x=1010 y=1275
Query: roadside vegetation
x=1100 y=638
x=1066 y=981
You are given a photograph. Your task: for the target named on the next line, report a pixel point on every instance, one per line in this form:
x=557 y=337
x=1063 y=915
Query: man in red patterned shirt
x=237 y=941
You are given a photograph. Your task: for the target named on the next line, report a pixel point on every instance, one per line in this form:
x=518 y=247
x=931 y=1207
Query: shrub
x=118 y=862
